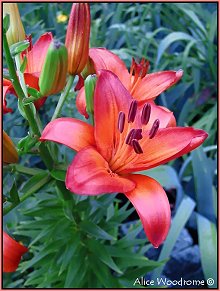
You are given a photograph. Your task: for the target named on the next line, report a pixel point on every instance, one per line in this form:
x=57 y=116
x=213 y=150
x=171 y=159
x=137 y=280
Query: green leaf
x=19 y=47
x=137 y=260
x=23 y=65
x=96 y=231
x=34 y=182
x=6 y=23
x=169 y=39
x=14 y=194
x=69 y=252
x=58 y=175
x=203 y=184
x=27 y=143
x=75 y=268
x=62 y=192
x=181 y=217
x=208 y=248
x=102 y=273
x=102 y=254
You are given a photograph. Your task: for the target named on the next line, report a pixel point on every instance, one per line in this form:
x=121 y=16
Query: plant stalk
x=63 y=97
x=45 y=154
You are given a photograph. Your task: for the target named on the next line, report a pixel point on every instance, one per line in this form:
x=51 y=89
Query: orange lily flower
x=12 y=253
x=142 y=86
x=126 y=138
x=35 y=59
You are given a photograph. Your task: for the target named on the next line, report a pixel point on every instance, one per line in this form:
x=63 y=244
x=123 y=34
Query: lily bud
x=53 y=75
x=10 y=154
x=16 y=31
x=12 y=253
x=77 y=37
x=90 y=83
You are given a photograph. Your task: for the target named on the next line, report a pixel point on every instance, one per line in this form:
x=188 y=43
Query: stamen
x=137 y=134
x=145 y=115
x=130 y=137
x=132 y=111
x=137 y=147
x=134 y=134
x=154 y=128
x=121 y=121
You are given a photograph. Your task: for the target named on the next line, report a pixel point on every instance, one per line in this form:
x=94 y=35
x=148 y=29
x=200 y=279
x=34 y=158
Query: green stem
x=34 y=189
x=45 y=154
x=20 y=75
x=63 y=97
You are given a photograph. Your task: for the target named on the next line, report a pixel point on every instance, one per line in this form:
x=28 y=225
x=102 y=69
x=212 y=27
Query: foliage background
x=171 y=36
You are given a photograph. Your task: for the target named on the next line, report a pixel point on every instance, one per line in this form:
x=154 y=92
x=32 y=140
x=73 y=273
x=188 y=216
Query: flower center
x=135 y=134
x=129 y=142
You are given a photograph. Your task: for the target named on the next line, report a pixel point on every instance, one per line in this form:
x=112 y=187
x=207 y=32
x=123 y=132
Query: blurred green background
x=171 y=36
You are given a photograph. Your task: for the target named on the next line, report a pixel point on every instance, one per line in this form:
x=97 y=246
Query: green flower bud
x=53 y=75
x=90 y=83
x=16 y=31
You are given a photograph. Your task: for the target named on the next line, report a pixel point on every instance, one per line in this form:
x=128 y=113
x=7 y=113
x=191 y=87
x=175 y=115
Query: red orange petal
x=110 y=98
x=89 y=174
x=105 y=59
x=81 y=103
x=71 y=132
x=154 y=84
x=152 y=205
x=36 y=56
x=168 y=144
x=12 y=252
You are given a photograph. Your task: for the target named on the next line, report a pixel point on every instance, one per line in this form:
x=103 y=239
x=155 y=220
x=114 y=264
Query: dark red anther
x=137 y=134
x=121 y=121
x=134 y=134
x=145 y=115
x=137 y=147
x=154 y=128
x=132 y=111
x=130 y=136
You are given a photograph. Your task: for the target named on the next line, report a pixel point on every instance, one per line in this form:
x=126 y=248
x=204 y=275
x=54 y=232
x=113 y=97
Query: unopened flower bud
x=77 y=37
x=16 y=31
x=53 y=75
x=90 y=83
x=10 y=154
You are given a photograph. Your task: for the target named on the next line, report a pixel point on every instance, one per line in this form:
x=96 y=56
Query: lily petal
x=152 y=205
x=168 y=144
x=81 y=103
x=89 y=174
x=7 y=88
x=157 y=112
x=106 y=60
x=12 y=252
x=110 y=98
x=36 y=56
x=71 y=132
x=154 y=84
